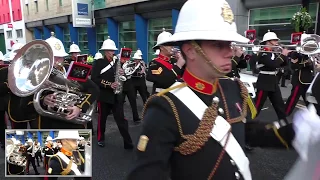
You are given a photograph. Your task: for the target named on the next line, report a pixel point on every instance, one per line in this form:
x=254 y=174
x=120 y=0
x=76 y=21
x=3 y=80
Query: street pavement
x=113 y=162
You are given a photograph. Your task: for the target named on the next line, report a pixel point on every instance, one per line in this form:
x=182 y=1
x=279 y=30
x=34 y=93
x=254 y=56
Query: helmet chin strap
x=199 y=50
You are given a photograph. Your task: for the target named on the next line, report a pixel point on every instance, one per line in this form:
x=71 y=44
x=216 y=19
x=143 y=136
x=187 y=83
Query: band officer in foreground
x=196 y=127
x=164 y=71
x=31 y=157
x=267 y=83
x=88 y=88
x=69 y=160
x=301 y=80
x=103 y=74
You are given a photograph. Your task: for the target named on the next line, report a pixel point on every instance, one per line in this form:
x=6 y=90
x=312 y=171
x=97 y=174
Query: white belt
x=158 y=89
x=49 y=155
x=268 y=72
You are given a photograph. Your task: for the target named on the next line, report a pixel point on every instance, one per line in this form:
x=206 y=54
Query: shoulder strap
x=65 y=159
x=105 y=69
x=165 y=63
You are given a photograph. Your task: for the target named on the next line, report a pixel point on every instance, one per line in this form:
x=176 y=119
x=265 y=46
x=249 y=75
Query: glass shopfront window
x=83 y=40
x=277 y=19
x=66 y=38
x=102 y=34
x=155 y=27
x=127 y=35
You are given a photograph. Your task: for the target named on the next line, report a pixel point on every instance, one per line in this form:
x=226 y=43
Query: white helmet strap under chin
x=200 y=52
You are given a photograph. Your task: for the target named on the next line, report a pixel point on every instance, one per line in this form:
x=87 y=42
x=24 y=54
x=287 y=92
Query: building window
x=60 y=2
x=37 y=8
x=66 y=38
x=9 y=34
x=102 y=34
x=277 y=19
x=47 y=4
x=14 y=18
x=127 y=35
x=155 y=27
x=83 y=41
x=19 y=33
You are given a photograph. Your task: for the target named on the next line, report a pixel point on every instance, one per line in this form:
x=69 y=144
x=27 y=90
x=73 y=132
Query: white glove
x=306 y=124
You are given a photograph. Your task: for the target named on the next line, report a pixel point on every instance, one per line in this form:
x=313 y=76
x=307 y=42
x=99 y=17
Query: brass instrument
x=14 y=154
x=32 y=72
x=130 y=67
x=119 y=79
x=309 y=45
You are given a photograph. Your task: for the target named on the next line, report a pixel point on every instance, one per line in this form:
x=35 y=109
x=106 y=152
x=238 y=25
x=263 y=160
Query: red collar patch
x=199 y=85
x=162 y=57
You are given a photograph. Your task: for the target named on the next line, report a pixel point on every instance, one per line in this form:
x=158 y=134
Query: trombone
x=309 y=45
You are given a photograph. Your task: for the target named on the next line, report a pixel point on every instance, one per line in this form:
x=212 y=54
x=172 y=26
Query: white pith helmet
x=1 y=56
x=74 y=48
x=13 y=139
x=56 y=46
x=68 y=134
x=206 y=20
x=30 y=141
x=81 y=138
x=49 y=138
x=269 y=36
x=17 y=142
x=109 y=44
x=157 y=52
x=14 y=50
x=139 y=52
x=16 y=46
x=98 y=55
x=162 y=37
x=137 y=56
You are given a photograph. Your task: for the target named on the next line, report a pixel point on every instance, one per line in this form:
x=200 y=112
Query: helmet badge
x=227 y=13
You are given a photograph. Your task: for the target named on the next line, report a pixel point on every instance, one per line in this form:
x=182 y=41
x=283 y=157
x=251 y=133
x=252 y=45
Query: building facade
x=137 y=23
x=12 y=25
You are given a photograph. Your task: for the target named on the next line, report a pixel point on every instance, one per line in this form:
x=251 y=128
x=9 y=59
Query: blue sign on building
x=82 y=9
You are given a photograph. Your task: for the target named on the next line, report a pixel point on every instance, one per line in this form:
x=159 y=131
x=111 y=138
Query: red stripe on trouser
x=27 y=168
x=295 y=92
x=259 y=98
x=99 y=121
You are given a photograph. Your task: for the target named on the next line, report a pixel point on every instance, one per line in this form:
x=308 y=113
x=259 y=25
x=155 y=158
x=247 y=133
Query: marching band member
x=139 y=77
x=18 y=117
x=129 y=91
x=16 y=169
x=37 y=152
x=97 y=56
x=48 y=152
x=74 y=51
x=163 y=71
x=238 y=62
x=103 y=74
x=68 y=161
x=301 y=79
x=31 y=157
x=196 y=127
x=88 y=87
x=267 y=83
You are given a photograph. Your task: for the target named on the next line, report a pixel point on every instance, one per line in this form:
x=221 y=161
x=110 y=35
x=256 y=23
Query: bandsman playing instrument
x=37 y=152
x=104 y=73
x=238 y=62
x=15 y=164
x=48 y=151
x=267 y=83
x=196 y=127
x=74 y=51
x=20 y=109
x=301 y=79
x=31 y=157
x=164 y=71
x=88 y=88
x=68 y=161
x=139 y=76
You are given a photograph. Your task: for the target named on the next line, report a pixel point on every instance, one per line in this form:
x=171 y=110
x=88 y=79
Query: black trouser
x=38 y=156
x=130 y=93
x=282 y=76
x=24 y=125
x=3 y=126
x=14 y=169
x=50 y=123
x=32 y=161
x=276 y=100
x=296 y=92
x=140 y=86
x=118 y=114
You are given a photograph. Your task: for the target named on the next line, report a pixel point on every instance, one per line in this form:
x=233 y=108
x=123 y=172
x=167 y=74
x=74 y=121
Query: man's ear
x=189 y=51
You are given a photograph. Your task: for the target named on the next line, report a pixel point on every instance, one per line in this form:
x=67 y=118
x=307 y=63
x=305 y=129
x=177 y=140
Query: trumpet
x=309 y=45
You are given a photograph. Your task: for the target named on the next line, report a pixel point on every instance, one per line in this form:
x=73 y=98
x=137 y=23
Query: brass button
x=232 y=162
x=221 y=111
x=237 y=175
x=216 y=99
